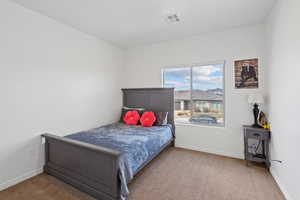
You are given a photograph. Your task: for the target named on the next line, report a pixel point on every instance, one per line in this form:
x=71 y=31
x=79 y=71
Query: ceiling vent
x=172 y=18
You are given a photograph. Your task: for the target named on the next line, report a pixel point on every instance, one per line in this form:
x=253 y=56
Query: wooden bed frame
x=94 y=169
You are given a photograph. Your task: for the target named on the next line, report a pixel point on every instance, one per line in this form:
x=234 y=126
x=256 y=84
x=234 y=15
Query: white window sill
x=200 y=125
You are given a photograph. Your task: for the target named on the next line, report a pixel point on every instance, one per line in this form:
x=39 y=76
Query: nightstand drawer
x=251 y=133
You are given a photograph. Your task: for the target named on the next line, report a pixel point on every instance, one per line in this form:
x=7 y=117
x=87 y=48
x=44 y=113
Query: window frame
x=191 y=66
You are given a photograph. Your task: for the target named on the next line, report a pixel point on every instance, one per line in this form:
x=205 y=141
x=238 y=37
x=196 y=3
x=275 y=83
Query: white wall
x=283 y=87
x=52 y=79
x=143 y=69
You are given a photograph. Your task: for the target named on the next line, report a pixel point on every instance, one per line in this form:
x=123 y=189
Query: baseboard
x=19 y=179
x=279 y=183
x=222 y=153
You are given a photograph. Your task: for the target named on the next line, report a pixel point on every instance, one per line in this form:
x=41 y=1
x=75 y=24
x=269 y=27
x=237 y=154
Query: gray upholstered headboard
x=154 y=99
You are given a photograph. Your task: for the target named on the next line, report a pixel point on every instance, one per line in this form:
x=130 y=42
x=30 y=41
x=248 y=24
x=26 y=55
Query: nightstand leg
x=268 y=164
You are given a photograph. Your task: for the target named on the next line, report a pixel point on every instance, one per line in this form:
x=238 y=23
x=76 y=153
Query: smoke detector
x=172 y=18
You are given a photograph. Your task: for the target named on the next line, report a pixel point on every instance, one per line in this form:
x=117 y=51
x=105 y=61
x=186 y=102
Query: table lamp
x=256 y=100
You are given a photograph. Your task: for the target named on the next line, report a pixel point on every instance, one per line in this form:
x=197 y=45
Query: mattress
x=137 y=145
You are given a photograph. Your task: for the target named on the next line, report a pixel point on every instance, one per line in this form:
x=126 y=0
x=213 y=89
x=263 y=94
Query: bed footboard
x=89 y=168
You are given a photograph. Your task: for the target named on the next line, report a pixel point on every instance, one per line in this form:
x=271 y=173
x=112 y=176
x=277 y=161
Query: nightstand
x=256 y=145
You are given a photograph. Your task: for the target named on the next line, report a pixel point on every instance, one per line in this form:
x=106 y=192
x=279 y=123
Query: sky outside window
x=204 y=77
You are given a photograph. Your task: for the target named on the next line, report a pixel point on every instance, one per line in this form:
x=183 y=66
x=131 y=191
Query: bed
x=103 y=160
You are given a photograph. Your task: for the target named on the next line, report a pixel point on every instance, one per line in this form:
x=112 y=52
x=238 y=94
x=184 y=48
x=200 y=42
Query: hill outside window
x=199 y=93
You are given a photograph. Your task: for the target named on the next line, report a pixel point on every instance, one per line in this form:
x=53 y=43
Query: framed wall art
x=246 y=74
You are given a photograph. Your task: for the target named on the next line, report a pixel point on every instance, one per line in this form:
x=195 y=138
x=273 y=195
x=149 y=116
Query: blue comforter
x=137 y=145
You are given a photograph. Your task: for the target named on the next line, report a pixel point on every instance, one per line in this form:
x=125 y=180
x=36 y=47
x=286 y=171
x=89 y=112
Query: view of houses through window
x=199 y=93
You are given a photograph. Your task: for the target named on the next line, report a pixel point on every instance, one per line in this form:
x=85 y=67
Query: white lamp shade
x=256 y=98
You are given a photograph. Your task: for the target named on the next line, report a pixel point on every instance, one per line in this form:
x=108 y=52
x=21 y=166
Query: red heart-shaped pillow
x=148 y=119
x=131 y=117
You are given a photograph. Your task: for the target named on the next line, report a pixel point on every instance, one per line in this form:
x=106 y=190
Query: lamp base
x=255 y=114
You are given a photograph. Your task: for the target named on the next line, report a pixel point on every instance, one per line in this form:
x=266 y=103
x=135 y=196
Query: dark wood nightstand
x=256 y=145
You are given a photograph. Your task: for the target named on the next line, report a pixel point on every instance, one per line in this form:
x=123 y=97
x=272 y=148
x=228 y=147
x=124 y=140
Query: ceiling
x=128 y=23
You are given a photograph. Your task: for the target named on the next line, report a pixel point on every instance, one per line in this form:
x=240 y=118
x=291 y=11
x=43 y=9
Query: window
x=199 y=93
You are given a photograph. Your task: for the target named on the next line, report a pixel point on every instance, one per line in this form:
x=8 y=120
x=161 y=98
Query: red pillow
x=131 y=117
x=148 y=119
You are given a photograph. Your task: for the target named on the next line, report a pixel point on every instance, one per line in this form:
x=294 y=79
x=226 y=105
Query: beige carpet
x=176 y=174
